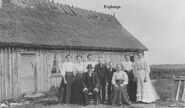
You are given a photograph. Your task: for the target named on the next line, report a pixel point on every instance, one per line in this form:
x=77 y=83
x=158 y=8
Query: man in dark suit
x=91 y=85
x=110 y=71
x=100 y=70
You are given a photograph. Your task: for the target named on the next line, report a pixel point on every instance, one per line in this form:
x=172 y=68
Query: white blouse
x=128 y=66
x=120 y=75
x=79 y=68
x=67 y=67
x=141 y=65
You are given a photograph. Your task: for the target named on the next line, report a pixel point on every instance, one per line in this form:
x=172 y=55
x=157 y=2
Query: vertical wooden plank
x=1 y=74
x=38 y=69
x=16 y=72
x=10 y=72
x=18 y=69
x=13 y=70
x=44 y=69
x=48 y=75
x=6 y=73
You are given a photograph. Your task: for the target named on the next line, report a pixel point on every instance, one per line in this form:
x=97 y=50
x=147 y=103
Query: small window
x=55 y=68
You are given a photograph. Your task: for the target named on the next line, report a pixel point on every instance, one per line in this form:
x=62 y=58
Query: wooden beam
x=1 y=75
x=183 y=93
x=178 y=91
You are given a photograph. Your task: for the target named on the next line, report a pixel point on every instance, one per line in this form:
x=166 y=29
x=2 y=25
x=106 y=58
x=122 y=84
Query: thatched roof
x=44 y=24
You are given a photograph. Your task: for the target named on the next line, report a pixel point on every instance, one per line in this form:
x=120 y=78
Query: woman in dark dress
x=77 y=88
x=132 y=85
x=120 y=81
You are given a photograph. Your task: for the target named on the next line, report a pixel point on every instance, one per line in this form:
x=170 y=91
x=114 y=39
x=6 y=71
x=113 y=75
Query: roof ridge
x=64 y=9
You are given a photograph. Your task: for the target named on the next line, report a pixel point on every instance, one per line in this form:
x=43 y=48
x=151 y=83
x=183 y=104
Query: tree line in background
x=166 y=71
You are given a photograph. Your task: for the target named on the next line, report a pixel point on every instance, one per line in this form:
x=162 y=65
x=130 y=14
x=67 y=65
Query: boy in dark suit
x=91 y=85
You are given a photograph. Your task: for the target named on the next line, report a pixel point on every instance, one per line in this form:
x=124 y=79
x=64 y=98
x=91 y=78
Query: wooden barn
x=35 y=36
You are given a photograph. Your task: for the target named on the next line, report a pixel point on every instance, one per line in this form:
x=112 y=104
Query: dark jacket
x=110 y=72
x=100 y=70
x=90 y=82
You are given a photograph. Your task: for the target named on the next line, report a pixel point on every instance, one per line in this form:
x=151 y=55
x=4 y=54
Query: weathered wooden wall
x=9 y=67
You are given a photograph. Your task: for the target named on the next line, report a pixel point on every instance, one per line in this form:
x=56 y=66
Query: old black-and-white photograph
x=92 y=53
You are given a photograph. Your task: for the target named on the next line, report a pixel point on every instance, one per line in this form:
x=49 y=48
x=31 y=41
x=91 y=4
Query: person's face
x=68 y=58
x=90 y=58
x=107 y=65
x=101 y=61
x=110 y=64
x=119 y=67
x=140 y=55
x=90 y=70
x=127 y=58
x=79 y=59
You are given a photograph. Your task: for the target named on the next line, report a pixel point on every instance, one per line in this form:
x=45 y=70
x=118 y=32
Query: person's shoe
x=114 y=105
x=129 y=103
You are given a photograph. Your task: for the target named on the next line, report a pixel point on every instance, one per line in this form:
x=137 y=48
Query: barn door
x=27 y=76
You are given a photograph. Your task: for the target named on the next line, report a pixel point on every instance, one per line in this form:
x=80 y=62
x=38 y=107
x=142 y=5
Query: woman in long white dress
x=145 y=90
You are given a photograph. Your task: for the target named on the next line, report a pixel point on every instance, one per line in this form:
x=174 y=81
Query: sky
x=158 y=24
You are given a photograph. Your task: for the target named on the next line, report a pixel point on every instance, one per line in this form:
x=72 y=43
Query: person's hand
x=74 y=78
x=121 y=85
x=65 y=82
x=95 y=89
x=116 y=85
x=145 y=79
x=85 y=89
x=135 y=78
x=107 y=83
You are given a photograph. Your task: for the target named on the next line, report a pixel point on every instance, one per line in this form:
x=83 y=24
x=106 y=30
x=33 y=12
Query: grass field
x=164 y=88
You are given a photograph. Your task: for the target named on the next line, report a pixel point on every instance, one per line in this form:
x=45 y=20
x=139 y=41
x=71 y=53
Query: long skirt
x=62 y=91
x=132 y=86
x=69 y=78
x=120 y=96
x=77 y=90
x=145 y=90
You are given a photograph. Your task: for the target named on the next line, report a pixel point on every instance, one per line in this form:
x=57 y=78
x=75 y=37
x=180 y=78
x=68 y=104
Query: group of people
x=127 y=82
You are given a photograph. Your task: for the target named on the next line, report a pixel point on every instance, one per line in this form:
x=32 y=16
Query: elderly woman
x=120 y=81
x=145 y=90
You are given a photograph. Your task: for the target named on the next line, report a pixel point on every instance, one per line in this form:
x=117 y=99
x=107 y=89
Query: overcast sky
x=158 y=24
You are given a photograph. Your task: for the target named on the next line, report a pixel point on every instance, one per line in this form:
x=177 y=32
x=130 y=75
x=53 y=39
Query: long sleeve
x=125 y=76
x=98 y=82
x=74 y=70
x=147 y=69
x=62 y=69
x=135 y=69
x=83 y=82
x=114 y=79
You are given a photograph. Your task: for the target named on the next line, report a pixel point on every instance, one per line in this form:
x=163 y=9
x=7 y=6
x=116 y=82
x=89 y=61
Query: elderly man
x=110 y=72
x=91 y=85
x=100 y=69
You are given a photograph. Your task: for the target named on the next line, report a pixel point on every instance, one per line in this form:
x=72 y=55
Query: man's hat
x=89 y=66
